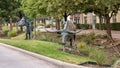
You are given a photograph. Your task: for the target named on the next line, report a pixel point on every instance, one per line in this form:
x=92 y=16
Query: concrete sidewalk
x=13 y=57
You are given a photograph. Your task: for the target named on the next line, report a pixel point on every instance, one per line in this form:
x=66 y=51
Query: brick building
x=91 y=18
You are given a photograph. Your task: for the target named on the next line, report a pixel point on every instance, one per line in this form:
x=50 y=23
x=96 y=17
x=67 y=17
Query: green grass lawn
x=47 y=49
x=19 y=37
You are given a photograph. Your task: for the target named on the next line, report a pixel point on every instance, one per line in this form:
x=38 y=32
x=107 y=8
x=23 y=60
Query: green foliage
x=5 y=30
x=12 y=33
x=81 y=45
x=88 y=38
x=51 y=37
x=34 y=8
x=41 y=24
x=19 y=37
x=98 y=55
x=83 y=26
x=48 y=26
x=94 y=53
x=114 y=26
x=8 y=8
x=103 y=26
x=113 y=59
x=86 y=51
x=104 y=36
x=46 y=37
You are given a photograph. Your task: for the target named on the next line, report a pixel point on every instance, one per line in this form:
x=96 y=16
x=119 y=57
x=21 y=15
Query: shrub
x=12 y=33
x=48 y=26
x=46 y=37
x=103 y=26
x=81 y=45
x=4 y=32
x=41 y=24
x=82 y=26
x=86 y=50
x=113 y=59
x=94 y=53
x=52 y=37
x=98 y=55
x=88 y=38
x=101 y=36
x=114 y=26
x=38 y=33
x=5 y=28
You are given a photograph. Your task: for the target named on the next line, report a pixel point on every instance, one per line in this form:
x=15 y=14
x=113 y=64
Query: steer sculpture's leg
x=26 y=36
x=75 y=42
x=64 y=36
x=29 y=36
x=71 y=43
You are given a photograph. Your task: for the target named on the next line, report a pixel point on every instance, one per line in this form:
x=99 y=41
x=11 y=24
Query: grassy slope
x=19 y=37
x=46 y=48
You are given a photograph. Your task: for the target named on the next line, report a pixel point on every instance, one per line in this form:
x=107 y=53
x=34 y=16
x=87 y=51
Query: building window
x=85 y=20
x=77 y=19
x=102 y=19
x=114 y=19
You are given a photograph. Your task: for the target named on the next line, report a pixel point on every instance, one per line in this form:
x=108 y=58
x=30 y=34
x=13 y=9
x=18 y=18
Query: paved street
x=13 y=59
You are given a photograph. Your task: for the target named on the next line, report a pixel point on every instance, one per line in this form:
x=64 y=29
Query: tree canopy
x=8 y=7
x=105 y=8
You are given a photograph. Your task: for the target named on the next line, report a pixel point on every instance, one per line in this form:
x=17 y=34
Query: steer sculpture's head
x=24 y=22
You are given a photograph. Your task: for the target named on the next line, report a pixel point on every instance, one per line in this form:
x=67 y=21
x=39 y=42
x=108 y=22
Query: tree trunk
x=0 y=23
x=109 y=35
x=100 y=23
x=21 y=28
x=35 y=28
x=11 y=26
x=65 y=16
x=17 y=27
x=58 y=24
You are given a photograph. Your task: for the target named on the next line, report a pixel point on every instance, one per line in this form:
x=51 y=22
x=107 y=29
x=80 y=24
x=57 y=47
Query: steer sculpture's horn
x=55 y=31
x=73 y=32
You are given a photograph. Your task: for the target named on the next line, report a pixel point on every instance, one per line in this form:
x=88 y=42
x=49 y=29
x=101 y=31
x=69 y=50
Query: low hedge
x=103 y=26
x=114 y=26
x=82 y=26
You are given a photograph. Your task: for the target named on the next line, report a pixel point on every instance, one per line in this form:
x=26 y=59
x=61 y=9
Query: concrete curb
x=60 y=64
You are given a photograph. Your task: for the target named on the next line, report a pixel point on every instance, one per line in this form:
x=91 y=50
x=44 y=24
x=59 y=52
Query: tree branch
x=112 y=14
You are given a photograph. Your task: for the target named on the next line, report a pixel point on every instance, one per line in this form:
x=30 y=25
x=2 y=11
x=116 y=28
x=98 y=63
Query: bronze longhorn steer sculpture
x=68 y=33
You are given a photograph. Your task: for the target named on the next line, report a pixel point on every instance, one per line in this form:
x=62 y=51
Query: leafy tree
x=62 y=8
x=105 y=8
x=54 y=8
x=8 y=9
